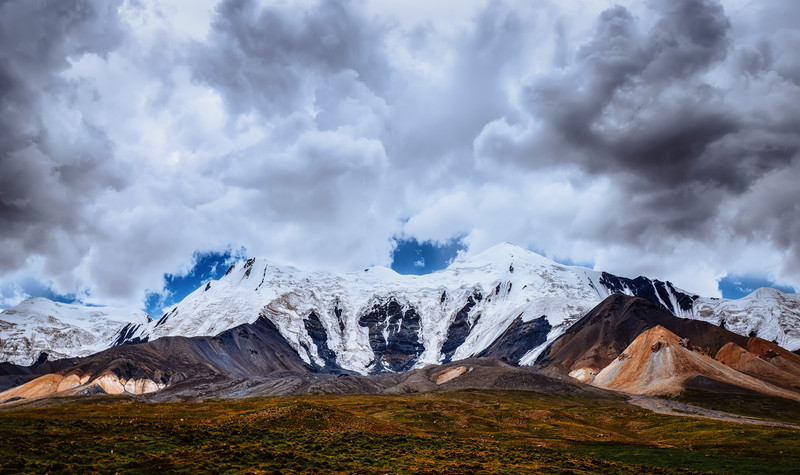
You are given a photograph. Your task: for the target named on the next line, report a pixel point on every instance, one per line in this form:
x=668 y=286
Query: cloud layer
x=657 y=138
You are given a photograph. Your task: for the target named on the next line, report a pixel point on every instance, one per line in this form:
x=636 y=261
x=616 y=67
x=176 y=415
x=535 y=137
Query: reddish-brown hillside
x=659 y=362
x=738 y=358
x=778 y=356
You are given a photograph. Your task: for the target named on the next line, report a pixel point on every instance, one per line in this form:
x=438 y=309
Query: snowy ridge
x=377 y=320
x=62 y=330
x=504 y=282
x=766 y=313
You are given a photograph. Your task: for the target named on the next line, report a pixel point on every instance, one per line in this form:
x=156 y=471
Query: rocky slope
x=377 y=320
x=243 y=353
x=617 y=345
x=744 y=361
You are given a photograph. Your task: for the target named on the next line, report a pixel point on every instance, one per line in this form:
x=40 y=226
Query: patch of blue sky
x=738 y=286
x=207 y=266
x=413 y=257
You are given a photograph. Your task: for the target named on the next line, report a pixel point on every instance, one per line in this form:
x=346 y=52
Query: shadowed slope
x=251 y=350
x=12 y=375
x=472 y=373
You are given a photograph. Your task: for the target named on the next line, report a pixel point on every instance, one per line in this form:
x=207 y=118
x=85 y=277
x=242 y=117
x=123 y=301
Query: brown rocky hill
x=780 y=357
x=659 y=362
x=761 y=367
x=601 y=335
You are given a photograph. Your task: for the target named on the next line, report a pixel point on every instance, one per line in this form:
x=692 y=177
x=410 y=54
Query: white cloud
x=314 y=132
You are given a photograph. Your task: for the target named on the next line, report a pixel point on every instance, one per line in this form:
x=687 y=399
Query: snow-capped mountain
x=505 y=302
x=62 y=330
x=767 y=313
x=377 y=320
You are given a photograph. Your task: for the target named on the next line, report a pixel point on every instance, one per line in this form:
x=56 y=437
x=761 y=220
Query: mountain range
x=268 y=329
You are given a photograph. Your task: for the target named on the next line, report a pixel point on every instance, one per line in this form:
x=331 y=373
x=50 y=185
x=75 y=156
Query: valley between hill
x=449 y=432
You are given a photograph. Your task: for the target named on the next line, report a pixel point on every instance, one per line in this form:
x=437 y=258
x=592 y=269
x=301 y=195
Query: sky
x=145 y=144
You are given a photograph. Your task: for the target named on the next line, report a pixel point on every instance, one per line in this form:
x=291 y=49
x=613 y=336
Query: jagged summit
x=362 y=320
x=315 y=325
x=376 y=320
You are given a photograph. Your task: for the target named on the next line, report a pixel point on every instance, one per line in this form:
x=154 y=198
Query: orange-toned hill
x=738 y=358
x=57 y=384
x=40 y=387
x=776 y=355
x=659 y=362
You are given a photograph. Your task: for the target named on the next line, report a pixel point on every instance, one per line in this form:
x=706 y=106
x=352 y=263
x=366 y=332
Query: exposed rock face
x=248 y=266
x=128 y=334
x=657 y=364
x=461 y=311
x=518 y=338
x=165 y=317
x=662 y=294
x=260 y=320
x=461 y=326
x=320 y=338
x=450 y=374
x=738 y=358
x=111 y=384
x=775 y=355
x=393 y=336
x=77 y=383
x=454 y=322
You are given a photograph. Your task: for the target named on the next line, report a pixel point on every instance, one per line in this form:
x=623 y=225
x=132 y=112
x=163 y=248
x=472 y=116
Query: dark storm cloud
x=635 y=105
x=47 y=174
x=621 y=70
x=262 y=56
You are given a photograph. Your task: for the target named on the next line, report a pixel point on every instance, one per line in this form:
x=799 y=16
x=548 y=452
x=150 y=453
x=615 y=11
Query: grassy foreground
x=460 y=432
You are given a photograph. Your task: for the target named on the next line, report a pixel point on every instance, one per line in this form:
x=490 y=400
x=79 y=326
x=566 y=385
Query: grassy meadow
x=458 y=432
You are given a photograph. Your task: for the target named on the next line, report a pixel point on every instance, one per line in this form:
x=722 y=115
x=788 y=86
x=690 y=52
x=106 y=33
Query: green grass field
x=459 y=432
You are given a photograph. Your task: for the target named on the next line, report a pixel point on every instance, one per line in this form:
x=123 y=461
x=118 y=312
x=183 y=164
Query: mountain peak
x=500 y=255
x=506 y=248
x=764 y=292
